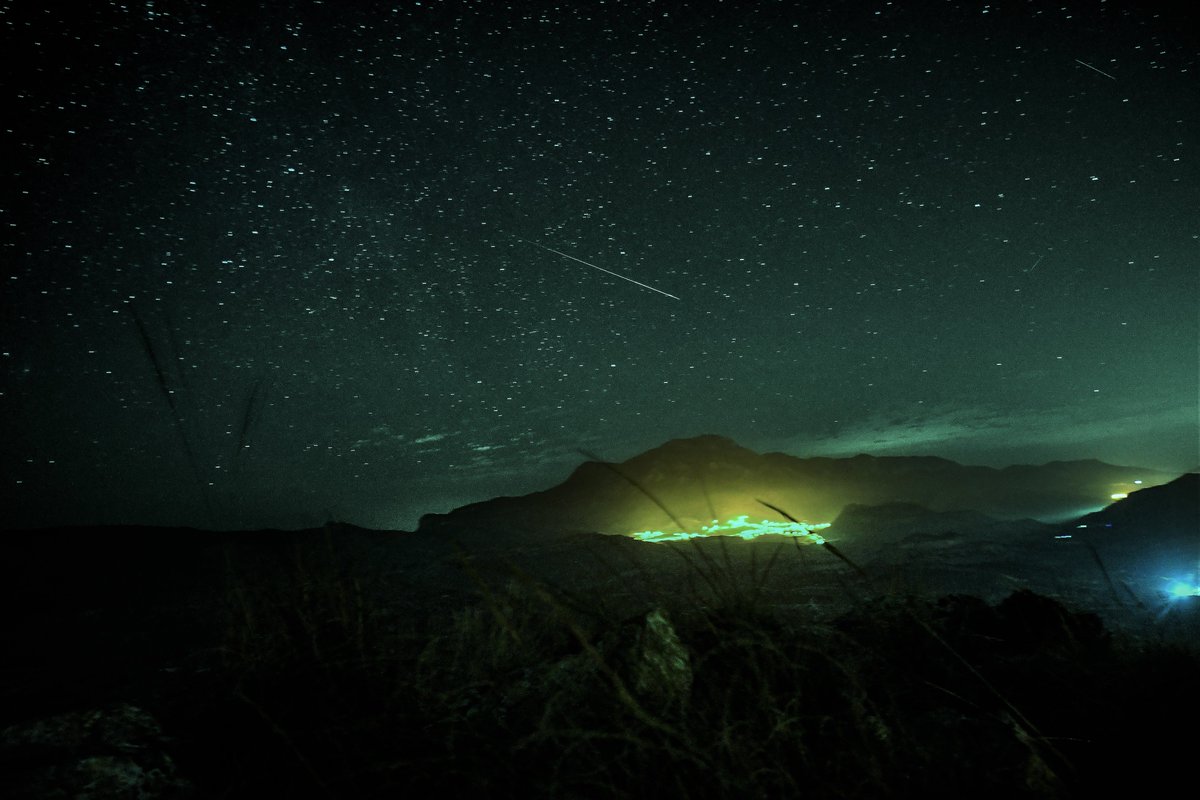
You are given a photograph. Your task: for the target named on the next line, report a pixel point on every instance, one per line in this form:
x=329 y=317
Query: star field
x=349 y=233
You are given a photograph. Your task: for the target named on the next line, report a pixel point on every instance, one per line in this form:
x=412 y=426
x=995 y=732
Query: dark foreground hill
x=1172 y=509
x=710 y=477
x=1154 y=532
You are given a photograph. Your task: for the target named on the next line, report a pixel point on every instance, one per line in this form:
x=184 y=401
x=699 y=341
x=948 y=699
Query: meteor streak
x=1094 y=69
x=593 y=266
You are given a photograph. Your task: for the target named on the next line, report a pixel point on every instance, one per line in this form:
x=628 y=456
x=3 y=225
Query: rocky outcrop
x=116 y=752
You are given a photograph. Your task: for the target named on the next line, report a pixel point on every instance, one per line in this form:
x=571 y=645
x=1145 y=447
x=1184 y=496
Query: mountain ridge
x=687 y=483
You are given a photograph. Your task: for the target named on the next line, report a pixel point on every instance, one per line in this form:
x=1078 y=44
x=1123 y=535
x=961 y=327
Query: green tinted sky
x=960 y=229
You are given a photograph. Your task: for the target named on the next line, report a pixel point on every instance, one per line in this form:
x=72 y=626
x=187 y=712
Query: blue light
x=1180 y=589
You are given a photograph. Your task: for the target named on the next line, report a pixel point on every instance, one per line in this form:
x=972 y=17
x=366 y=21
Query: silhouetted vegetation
x=532 y=692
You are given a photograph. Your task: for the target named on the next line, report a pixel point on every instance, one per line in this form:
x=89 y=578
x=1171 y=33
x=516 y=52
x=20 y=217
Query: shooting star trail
x=1035 y=264
x=593 y=266
x=1093 y=69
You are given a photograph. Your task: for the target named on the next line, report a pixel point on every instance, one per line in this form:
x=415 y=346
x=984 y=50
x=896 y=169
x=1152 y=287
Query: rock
x=662 y=670
x=115 y=753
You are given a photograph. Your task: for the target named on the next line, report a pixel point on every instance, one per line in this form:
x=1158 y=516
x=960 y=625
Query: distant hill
x=712 y=477
x=1155 y=530
x=896 y=522
x=1166 y=510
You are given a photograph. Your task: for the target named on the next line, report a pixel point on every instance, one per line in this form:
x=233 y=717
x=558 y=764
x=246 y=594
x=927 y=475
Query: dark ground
x=344 y=662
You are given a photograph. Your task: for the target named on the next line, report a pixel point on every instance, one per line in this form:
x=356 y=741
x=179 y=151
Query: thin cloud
x=952 y=431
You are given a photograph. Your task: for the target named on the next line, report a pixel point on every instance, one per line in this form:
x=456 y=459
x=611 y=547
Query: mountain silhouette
x=1167 y=510
x=891 y=523
x=1155 y=531
x=687 y=483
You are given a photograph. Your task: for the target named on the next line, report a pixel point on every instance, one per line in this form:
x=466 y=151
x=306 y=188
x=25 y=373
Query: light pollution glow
x=742 y=528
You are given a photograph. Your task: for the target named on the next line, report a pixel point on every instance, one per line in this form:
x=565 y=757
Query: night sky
x=953 y=228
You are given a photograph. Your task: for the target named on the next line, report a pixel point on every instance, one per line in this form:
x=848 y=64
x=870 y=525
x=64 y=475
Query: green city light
x=743 y=529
